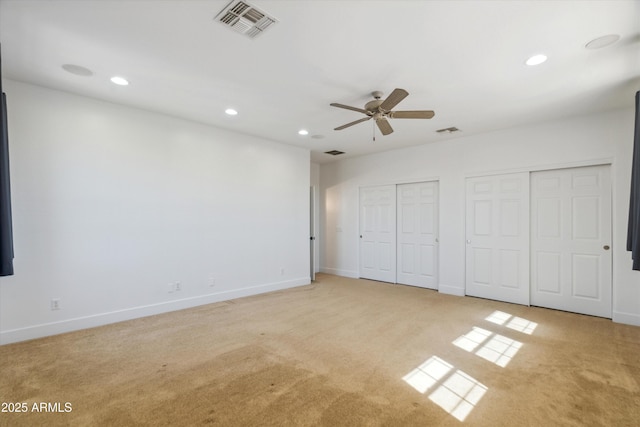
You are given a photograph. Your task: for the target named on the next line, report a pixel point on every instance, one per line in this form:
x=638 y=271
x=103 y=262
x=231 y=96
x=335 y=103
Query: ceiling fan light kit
x=381 y=110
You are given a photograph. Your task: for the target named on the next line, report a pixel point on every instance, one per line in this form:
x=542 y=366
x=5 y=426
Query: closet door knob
x=606 y=247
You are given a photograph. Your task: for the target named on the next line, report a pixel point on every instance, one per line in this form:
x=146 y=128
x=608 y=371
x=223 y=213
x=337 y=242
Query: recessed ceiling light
x=603 y=41
x=231 y=112
x=120 y=81
x=536 y=59
x=77 y=70
x=303 y=132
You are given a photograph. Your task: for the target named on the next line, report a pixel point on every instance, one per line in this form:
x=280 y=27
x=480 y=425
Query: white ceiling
x=462 y=59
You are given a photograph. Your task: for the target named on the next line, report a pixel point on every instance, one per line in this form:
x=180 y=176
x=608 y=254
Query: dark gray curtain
x=6 y=232
x=633 y=232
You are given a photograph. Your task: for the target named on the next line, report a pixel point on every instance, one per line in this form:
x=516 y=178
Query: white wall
x=605 y=137
x=112 y=204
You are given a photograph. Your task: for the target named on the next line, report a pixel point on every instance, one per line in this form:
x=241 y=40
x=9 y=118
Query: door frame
x=312 y=232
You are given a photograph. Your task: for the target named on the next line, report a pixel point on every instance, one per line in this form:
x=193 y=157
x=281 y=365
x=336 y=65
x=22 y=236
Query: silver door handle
x=468 y=241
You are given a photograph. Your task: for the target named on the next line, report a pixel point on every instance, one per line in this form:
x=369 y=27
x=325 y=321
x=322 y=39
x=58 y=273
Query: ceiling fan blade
x=384 y=126
x=393 y=99
x=424 y=114
x=347 y=107
x=353 y=123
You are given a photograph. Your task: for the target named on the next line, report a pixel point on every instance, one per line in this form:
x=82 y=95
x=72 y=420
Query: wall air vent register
x=245 y=19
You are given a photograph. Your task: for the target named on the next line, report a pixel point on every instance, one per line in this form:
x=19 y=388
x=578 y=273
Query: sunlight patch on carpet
x=512 y=322
x=453 y=390
x=428 y=374
x=490 y=346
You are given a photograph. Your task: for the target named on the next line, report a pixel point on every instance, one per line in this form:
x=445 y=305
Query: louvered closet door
x=497 y=237
x=378 y=233
x=417 y=234
x=571 y=240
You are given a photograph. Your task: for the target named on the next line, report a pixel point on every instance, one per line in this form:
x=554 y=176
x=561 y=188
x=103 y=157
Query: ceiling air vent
x=448 y=130
x=244 y=18
x=334 y=152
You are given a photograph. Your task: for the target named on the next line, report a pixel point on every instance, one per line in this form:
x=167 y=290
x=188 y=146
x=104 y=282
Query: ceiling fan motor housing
x=372 y=106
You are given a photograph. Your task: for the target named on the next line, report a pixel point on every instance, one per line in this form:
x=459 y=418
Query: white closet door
x=571 y=239
x=417 y=249
x=378 y=233
x=497 y=233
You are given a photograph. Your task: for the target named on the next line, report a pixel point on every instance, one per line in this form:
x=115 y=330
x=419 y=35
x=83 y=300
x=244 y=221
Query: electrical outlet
x=171 y=287
x=178 y=286
x=282 y=271
x=212 y=282
x=55 y=304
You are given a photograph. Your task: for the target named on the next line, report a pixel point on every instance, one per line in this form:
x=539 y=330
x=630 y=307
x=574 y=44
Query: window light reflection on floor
x=512 y=322
x=458 y=395
x=429 y=373
x=490 y=346
x=453 y=390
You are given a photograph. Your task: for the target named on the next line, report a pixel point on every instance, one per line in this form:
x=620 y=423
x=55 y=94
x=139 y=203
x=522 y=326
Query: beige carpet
x=340 y=352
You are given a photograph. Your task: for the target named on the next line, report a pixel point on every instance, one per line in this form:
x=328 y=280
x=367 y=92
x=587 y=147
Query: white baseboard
x=626 y=318
x=337 y=272
x=69 y=325
x=451 y=290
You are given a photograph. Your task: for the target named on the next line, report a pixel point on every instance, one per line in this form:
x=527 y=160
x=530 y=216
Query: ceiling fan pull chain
x=373 y=123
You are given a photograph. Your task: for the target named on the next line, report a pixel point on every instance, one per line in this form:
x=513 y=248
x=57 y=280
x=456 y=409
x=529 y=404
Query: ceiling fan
x=381 y=110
